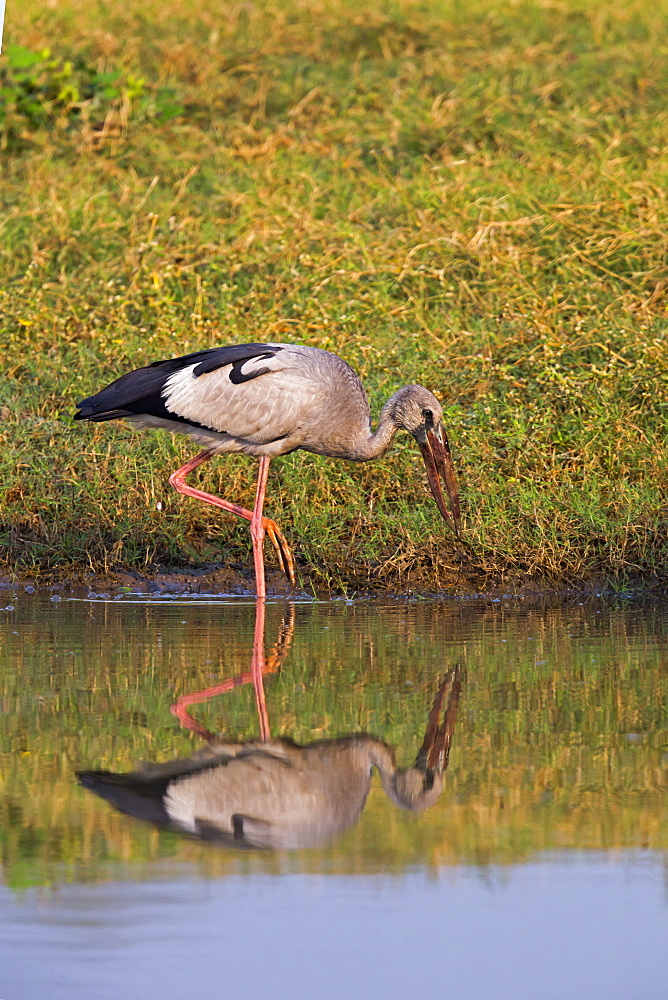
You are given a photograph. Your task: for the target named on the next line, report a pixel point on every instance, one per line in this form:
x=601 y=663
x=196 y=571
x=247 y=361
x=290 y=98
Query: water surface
x=540 y=869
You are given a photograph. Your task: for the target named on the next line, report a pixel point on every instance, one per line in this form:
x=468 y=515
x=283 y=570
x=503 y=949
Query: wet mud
x=218 y=579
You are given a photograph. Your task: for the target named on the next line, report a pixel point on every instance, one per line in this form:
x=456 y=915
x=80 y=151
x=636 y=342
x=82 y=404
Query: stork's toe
x=282 y=549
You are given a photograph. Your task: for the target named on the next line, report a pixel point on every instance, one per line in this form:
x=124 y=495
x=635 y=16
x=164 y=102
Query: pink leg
x=183 y=702
x=263 y=525
x=254 y=677
x=259 y=666
x=177 y=480
x=257 y=532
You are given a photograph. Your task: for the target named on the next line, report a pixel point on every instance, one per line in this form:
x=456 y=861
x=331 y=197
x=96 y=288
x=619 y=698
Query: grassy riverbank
x=468 y=196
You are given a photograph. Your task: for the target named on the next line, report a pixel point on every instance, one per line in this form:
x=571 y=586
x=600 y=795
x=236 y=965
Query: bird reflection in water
x=274 y=793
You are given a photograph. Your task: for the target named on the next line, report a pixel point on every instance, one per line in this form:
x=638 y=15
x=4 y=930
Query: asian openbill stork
x=268 y=400
x=277 y=794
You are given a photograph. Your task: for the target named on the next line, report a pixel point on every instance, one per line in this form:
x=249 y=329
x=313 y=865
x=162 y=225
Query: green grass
x=467 y=196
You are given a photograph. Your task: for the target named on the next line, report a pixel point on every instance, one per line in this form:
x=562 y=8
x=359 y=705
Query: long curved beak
x=435 y=749
x=438 y=461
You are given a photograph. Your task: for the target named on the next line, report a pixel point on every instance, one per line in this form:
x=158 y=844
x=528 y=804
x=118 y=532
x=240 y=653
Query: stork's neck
x=373 y=444
x=409 y=789
x=381 y=756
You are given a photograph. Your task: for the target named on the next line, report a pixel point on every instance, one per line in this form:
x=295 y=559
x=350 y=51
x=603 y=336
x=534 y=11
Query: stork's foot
x=282 y=549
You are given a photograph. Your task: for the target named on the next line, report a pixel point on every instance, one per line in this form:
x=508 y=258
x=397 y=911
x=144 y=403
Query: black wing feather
x=140 y=391
x=142 y=799
x=143 y=795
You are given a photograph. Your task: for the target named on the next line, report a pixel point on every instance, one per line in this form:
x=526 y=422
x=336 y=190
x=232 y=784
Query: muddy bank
x=217 y=579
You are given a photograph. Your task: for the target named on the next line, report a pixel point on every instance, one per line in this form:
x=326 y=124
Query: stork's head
x=415 y=789
x=419 y=786
x=419 y=412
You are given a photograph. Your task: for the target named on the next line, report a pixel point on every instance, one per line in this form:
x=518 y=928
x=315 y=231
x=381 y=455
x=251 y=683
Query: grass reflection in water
x=560 y=739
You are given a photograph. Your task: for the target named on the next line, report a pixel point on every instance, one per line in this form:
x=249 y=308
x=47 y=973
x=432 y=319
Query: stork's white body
x=304 y=398
x=268 y=400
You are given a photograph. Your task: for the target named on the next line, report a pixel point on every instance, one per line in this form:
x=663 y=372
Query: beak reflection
x=435 y=750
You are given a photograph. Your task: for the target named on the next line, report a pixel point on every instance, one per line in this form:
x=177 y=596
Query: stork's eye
x=428 y=415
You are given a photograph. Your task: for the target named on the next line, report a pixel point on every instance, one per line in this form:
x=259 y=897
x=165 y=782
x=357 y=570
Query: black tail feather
x=140 y=391
x=129 y=794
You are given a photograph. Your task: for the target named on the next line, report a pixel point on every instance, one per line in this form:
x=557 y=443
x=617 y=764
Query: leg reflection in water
x=260 y=665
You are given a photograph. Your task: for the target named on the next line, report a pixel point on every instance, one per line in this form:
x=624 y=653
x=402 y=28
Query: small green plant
x=38 y=90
